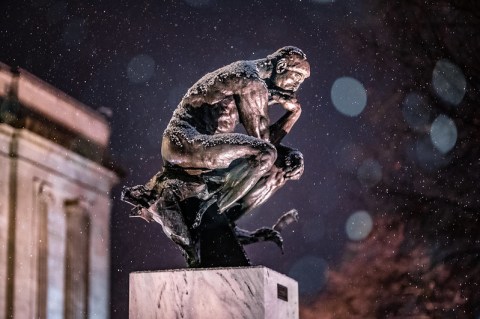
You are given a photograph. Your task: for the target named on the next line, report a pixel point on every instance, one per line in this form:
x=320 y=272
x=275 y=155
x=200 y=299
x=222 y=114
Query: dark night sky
x=137 y=58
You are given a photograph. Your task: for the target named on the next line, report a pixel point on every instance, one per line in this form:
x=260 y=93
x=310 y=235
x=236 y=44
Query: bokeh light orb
x=443 y=133
x=140 y=68
x=416 y=111
x=449 y=82
x=369 y=173
x=310 y=272
x=359 y=225
x=348 y=96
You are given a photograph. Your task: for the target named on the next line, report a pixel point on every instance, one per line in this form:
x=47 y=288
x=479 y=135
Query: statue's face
x=289 y=80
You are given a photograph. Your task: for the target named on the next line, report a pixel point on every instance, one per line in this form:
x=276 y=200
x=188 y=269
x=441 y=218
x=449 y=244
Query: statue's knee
x=170 y=149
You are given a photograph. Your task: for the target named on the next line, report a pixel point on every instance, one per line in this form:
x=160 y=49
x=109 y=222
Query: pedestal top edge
x=267 y=272
x=203 y=269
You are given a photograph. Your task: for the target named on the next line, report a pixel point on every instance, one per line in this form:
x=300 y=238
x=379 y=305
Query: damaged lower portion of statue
x=185 y=205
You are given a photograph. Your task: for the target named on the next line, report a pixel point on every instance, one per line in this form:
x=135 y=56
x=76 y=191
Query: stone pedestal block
x=216 y=293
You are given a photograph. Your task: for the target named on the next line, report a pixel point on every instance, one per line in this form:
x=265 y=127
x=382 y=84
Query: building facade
x=54 y=203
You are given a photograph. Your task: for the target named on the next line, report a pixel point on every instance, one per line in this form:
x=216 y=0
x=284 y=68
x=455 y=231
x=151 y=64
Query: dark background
x=134 y=60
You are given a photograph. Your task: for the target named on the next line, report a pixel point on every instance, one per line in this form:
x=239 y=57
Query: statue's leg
x=253 y=159
x=289 y=165
x=167 y=212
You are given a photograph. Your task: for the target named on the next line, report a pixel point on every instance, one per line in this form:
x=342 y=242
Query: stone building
x=54 y=202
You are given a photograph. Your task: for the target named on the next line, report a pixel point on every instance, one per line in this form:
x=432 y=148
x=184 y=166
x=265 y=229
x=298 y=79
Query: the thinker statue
x=213 y=175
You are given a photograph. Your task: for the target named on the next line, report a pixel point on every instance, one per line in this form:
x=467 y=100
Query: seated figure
x=208 y=167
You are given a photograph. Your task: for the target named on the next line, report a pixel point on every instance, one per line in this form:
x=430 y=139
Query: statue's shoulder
x=240 y=69
x=236 y=71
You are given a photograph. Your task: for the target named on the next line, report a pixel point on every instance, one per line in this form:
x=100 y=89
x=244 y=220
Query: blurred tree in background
x=422 y=258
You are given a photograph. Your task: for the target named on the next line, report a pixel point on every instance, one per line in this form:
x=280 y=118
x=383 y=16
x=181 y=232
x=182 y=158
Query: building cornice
x=45 y=100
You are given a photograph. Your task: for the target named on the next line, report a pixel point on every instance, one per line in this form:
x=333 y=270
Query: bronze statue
x=213 y=175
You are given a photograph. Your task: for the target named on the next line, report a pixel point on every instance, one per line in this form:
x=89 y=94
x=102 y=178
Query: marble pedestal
x=215 y=293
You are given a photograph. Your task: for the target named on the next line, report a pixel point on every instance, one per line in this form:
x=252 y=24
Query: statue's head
x=290 y=68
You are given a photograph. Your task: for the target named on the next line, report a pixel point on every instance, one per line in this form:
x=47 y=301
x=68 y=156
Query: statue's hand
x=287 y=101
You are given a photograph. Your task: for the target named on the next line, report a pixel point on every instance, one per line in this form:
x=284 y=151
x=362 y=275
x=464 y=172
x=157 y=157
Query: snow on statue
x=212 y=175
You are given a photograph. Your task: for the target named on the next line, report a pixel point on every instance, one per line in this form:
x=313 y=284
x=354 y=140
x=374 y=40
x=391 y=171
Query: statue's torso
x=209 y=105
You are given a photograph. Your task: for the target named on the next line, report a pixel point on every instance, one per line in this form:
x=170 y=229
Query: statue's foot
x=191 y=255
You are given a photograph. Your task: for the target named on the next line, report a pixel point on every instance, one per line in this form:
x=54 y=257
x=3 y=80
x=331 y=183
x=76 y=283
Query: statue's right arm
x=284 y=125
x=252 y=103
